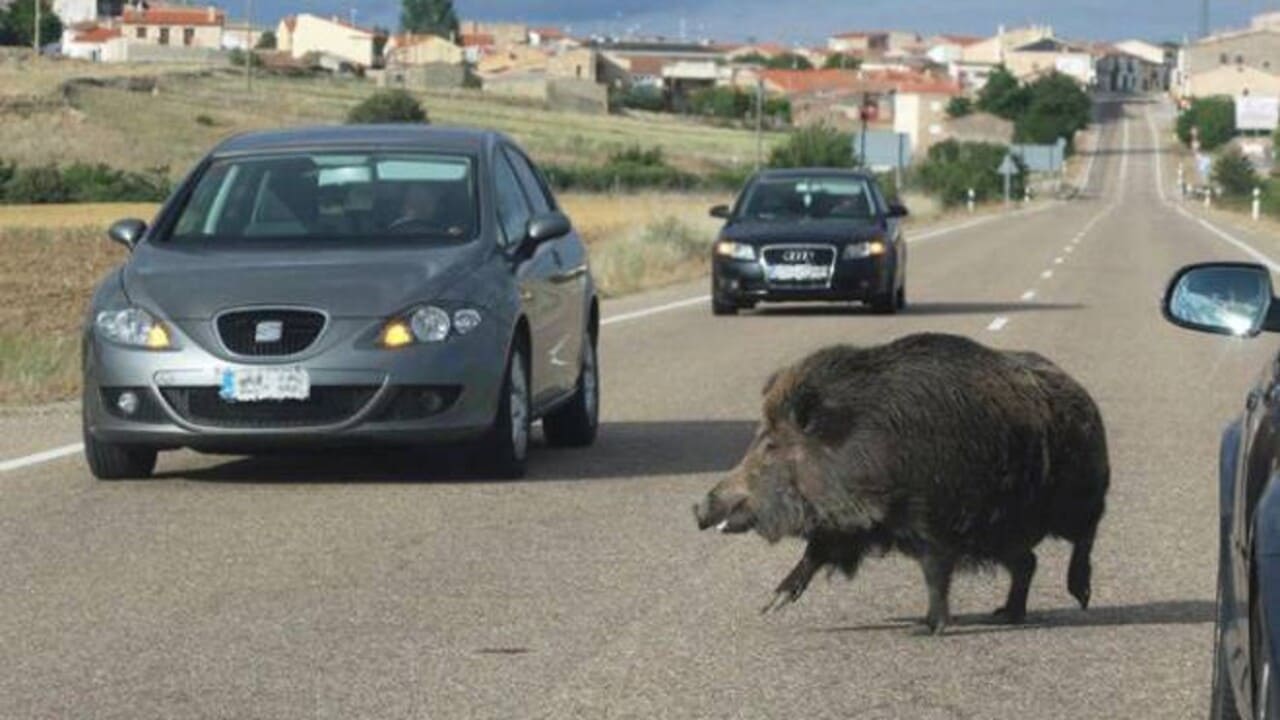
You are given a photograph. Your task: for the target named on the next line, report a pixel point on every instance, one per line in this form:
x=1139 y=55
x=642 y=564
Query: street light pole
x=248 y=46
x=36 y=34
x=759 y=122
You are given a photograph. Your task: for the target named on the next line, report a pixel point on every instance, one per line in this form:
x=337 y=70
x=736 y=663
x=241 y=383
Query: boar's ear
x=768 y=384
x=807 y=409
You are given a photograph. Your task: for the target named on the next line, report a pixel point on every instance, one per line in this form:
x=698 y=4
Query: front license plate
x=264 y=383
x=797 y=273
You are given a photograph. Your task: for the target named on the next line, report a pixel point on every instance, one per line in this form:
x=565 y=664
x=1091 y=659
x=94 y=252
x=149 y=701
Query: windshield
x=814 y=198
x=357 y=196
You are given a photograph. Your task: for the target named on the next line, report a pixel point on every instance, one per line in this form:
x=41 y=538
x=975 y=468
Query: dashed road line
x=998 y=324
x=1028 y=296
x=1046 y=274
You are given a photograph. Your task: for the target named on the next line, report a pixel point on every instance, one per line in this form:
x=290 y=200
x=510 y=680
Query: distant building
x=1121 y=71
x=920 y=110
x=503 y=34
x=89 y=43
x=994 y=50
x=334 y=38
x=1048 y=55
x=409 y=49
x=1233 y=80
x=862 y=44
x=71 y=12
x=1256 y=48
x=174 y=25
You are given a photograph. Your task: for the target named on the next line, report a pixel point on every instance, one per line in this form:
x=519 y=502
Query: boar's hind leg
x=1080 y=570
x=938 y=568
x=1021 y=565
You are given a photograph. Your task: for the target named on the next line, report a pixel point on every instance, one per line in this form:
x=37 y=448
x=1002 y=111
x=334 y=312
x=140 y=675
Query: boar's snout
x=726 y=510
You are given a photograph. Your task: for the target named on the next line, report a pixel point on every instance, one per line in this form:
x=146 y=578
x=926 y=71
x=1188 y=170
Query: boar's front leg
x=938 y=567
x=840 y=551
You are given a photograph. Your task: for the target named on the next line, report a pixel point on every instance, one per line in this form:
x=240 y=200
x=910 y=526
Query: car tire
x=504 y=452
x=722 y=307
x=575 y=423
x=884 y=303
x=1222 y=700
x=110 y=461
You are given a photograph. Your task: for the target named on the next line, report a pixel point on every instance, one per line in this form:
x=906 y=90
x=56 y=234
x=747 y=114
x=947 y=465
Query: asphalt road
x=388 y=586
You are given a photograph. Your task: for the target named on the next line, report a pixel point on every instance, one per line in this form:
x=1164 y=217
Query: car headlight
x=735 y=250
x=859 y=250
x=428 y=324
x=134 y=327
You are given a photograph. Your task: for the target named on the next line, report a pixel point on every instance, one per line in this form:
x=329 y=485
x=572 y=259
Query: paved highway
x=377 y=586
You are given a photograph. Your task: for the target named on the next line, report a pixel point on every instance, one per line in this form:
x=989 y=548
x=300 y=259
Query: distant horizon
x=742 y=20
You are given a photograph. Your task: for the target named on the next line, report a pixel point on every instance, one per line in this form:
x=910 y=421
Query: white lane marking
x=1028 y=295
x=1155 y=140
x=1240 y=244
x=1069 y=249
x=1057 y=261
x=1046 y=274
x=1124 y=156
x=40 y=457
x=998 y=324
x=668 y=307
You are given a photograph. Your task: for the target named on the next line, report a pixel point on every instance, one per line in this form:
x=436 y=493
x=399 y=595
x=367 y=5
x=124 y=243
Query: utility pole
x=36 y=33
x=248 y=46
x=759 y=122
x=1204 y=18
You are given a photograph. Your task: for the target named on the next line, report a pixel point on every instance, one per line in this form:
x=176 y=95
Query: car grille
x=328 y=405
x=298 y=329
x=817 y=256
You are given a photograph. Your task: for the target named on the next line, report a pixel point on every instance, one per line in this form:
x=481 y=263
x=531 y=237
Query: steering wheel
x=411 y=222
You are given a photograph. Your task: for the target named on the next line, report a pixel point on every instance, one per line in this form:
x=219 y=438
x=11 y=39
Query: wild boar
x=935 y=446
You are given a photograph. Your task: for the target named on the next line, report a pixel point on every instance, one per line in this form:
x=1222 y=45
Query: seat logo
x=797 y=256
x=268 y=331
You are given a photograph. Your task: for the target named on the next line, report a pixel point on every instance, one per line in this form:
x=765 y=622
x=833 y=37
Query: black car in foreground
x=389 y=285
x=1236 y=299
x=810 y=234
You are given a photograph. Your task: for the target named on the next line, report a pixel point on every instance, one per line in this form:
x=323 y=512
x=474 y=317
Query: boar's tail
x=1080 y=571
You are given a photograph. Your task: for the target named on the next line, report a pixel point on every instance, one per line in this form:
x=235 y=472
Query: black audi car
x=810 y=235
x=1236 y=299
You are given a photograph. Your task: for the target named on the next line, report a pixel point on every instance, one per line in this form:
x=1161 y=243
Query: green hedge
x=80 y=182
x=954 y=167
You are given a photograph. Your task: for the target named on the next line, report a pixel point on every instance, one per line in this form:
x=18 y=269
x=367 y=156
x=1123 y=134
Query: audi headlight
x=428 y=324
x=859 y=250
x=134 y=327
x=735 y=250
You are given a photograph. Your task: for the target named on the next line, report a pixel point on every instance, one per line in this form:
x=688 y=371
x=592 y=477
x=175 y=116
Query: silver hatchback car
x=401 y=285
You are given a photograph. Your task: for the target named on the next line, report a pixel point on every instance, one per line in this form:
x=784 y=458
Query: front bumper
x=860 y=280
x=361 y=394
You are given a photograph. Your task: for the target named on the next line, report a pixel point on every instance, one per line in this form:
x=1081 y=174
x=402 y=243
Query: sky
x=809 y=21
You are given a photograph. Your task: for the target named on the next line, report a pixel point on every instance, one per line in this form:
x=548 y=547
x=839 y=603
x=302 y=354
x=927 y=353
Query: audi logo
x=797 y=256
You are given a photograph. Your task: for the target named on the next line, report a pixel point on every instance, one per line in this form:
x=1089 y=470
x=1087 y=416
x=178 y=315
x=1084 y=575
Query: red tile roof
x=810 y=81
x=475 y=40
x=962 y=40
x=97 y=35
x=648 y=65
x=174 y=15
x=549 y=33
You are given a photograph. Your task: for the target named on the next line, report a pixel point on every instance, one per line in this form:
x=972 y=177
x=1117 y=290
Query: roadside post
x=36 y=31
x=1208 y=196
x=971 y=198
x=1257 y=203
x=1008 y=168
x=1026 y=195
x=1182 y=182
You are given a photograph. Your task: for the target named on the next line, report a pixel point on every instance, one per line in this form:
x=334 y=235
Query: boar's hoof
x=1015 y=616
x=777 y=602
x=936 y=624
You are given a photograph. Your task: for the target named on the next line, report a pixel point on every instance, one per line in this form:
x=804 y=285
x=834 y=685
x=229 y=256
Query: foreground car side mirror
x=897 y=210
x=720 y=211
x=1223 y=298
x=547 y=226
x=127 y=232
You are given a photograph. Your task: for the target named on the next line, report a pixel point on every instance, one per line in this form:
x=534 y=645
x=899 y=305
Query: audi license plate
x=259 y=384
x=797 y=273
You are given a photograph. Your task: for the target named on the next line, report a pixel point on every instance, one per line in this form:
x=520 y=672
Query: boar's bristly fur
x=933 y=446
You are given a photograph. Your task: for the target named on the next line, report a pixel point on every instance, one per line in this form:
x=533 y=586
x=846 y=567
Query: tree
x=789 y=61
x=1213 y=117
x=959 y=107
x=266 y=41
x=814 y=146
x=841 y=61
x=952 y=168
x=388 y=106
x=1003 y=95
x=1233 y=172
x=1058 y=107
x=17 y=24
x=431 y=17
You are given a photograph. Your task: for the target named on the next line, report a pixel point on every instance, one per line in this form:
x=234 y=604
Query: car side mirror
x=127 y=232
x=897 y=210
x=720 y=211
x=547 y=226
x=1222 y=298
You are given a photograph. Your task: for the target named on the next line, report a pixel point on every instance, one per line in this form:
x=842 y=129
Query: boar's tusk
x=723 y=526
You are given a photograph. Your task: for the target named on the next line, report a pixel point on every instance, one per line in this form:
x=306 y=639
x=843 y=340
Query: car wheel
x=575 y=423
x=1222 y=700
x=504 y=452
x=721 y=307
x=884 y=303
x=110 y=461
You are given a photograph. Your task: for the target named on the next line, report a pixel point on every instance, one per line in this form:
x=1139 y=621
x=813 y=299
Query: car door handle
x=570 y=275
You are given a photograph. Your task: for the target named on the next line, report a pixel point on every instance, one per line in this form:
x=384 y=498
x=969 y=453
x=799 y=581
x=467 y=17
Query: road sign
x=1008 y=167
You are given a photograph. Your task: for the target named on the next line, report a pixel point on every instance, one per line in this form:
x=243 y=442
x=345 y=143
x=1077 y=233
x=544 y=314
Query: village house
x=1204 y=67
x=920 y=110
x=475 y=46
x=1232 y=80
x=1121 y=71
x=1048 y=55
x=861 y=44
x=408 y=49
x=174 y=25
x=88 y=43
x=503 y=34
x=306 y=34
x=994 y=50
x=946 y=49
